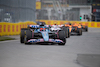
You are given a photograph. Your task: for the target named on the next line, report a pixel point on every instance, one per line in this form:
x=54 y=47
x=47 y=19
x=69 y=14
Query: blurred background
x=17 y=10
x=31 y=10
x=71 y=10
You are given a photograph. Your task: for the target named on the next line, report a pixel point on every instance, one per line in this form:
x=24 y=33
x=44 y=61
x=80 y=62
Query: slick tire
x=86 y=28
x=28 y=36
x=79 y=31
x=68 y=34
x=66 y=31
x=62 y=37
x=22 y=34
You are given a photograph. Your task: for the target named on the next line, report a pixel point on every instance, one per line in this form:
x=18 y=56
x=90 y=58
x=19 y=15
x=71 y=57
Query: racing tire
x=79 y=31
x=68 y=34
x=62 y=37
x=28 y=35
x=86 y=28
x=22 y=34
x=66 y=31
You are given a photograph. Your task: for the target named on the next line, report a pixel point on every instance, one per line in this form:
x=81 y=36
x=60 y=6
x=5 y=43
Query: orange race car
x=84 y=27
x=74 y=28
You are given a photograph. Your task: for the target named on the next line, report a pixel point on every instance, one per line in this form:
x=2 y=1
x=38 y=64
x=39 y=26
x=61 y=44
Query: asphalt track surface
x=79 y=51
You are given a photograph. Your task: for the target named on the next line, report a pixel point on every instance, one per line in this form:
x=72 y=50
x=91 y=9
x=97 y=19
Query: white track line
x=8 y=41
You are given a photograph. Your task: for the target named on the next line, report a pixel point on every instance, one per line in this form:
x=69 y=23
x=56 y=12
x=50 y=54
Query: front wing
x=42 y=40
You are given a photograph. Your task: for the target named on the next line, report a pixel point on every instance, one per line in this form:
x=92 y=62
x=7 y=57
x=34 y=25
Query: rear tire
x=66 y=31
x=62 y=37
x=86 y=28
x=68 y=34
x=79 y=31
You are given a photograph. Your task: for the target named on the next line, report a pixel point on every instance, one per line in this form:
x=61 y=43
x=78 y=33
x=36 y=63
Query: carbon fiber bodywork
x=42 y=34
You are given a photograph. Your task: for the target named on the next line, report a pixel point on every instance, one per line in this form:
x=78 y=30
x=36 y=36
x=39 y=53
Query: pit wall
x=14 y=28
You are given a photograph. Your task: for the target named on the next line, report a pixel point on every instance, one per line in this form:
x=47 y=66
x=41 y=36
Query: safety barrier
x=13 y=28
x=89 y=24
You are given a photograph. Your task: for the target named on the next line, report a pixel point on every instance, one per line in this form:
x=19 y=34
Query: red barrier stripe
x=13 y=28
x=16 y=28
x=8 y=28
x=4 y=28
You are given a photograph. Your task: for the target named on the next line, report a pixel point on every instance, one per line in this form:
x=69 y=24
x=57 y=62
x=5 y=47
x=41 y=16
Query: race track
x=79 y=51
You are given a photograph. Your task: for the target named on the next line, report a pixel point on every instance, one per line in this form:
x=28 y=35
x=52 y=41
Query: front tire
x=22 y=34
x=28 y=36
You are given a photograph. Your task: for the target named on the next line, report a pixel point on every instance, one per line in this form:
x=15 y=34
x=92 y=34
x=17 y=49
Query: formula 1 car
x=41 y=34
x=84 y=27
x=61 y=27
x=74 y=28
x=67 y=29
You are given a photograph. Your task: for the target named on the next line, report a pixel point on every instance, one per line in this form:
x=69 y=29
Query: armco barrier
x=13 y=28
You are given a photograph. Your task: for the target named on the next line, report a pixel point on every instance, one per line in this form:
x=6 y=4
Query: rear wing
x=33 y=26
x=58 y=25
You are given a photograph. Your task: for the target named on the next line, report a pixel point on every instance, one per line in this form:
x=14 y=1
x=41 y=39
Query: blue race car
x=41 y=34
